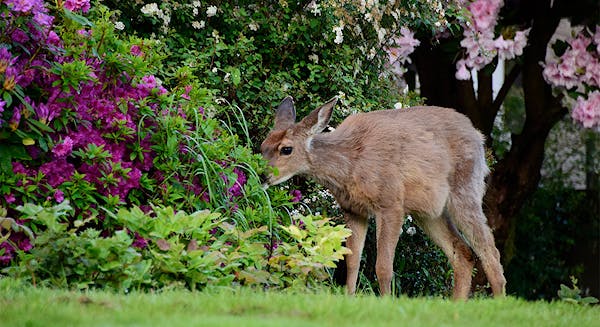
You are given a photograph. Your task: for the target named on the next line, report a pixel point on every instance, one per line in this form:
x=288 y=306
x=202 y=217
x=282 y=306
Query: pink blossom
x=587 y=111
x=485 y=13
x=462 y=72
x=404 y=45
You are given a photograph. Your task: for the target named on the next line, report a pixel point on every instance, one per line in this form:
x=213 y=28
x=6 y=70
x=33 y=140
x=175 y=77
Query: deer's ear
x=286 y=114
x=318 y=119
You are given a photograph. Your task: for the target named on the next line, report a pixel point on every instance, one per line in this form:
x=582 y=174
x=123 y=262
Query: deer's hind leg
x=469 y=219
x=444 y=234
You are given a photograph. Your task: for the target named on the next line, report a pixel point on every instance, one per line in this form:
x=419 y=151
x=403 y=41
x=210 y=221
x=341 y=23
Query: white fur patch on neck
x=308 y=143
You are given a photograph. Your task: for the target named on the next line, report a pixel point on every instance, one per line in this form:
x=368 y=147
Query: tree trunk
x=515 y=176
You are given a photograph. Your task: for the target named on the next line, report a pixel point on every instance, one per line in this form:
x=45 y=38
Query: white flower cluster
x=196 y=11
x=151 y=9
x=211 y=11
x=320 y=197
x=339 y=34
x=411 y=230
x=119 y=26
x=314 y=8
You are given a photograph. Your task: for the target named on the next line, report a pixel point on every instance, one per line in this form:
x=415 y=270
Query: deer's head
x=288 y=145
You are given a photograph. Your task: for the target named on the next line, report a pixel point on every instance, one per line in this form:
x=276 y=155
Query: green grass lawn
x=22 y=305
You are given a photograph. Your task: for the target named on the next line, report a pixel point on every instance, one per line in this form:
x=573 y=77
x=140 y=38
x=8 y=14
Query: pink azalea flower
x=405 y=45
x=462 y=73
x=587 y=111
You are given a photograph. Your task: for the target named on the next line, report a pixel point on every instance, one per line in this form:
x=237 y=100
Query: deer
x=425 y=161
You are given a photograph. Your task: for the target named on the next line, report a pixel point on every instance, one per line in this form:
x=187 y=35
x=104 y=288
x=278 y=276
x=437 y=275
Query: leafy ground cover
x=23 y=305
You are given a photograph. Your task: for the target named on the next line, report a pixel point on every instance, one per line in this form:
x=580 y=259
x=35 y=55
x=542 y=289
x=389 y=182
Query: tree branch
x=509 y=80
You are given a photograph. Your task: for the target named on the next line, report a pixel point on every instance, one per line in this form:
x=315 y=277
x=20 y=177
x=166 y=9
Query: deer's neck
x=330 y=159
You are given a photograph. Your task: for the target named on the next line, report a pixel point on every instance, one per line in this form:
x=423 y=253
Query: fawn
x=425 y=161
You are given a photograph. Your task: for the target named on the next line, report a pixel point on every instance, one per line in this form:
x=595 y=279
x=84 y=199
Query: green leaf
x=40 y=125
x=236 y=76
x=77 y=18
x=7 y=98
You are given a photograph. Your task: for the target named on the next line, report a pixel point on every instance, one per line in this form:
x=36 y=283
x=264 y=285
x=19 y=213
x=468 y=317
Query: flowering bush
x=480 y=43
x=86 y=124
x=572 y=67
x=254 y=53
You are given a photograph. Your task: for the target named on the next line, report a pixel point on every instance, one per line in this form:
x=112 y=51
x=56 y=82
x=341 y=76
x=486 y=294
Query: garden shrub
x=87 y=130
x=167 y=248
x=254 y=53
x=554 y=228
x=154 y=110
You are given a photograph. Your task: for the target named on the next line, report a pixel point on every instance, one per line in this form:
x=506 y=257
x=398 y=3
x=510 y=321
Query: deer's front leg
x=389 y=227
x=358 y=225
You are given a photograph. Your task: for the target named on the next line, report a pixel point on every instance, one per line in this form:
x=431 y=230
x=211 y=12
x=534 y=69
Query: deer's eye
x=286 y=150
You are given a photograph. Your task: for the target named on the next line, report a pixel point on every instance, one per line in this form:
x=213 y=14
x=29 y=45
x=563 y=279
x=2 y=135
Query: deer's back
x=416 y=154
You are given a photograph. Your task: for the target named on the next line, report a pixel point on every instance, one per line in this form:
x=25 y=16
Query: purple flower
x=139 y=242
x=57 y=171
x=296 y=195
x=53 y=39
x=15 y=120
x=236 y=189
x=74 y=5
x=84 y=33
x=19 y=36
x=43 y=20
x=6 y=257
x=59 y=196
x=18 y=168
x=63 y=149
x=20 y=5
x=6 y=59
x=24 y=244
x=136 y=50
x=10 y=198
x=186 y=94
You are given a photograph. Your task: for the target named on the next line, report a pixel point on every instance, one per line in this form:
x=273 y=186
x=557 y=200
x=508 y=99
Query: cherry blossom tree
x=552 y=49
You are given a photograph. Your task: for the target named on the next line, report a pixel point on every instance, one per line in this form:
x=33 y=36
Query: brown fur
x=426 y=161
